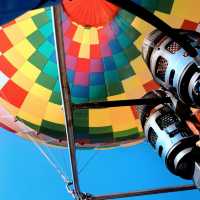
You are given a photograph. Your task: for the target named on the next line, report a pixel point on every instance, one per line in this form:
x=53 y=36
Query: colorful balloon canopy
x=103 y=61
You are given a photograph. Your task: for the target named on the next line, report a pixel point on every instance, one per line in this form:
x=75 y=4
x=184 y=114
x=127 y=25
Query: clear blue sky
x=25 y=174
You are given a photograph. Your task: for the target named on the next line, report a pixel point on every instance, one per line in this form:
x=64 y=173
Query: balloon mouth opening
x=90 y=13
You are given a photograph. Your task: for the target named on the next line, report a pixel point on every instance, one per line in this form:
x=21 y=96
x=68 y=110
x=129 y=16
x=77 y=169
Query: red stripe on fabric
x=90 y=12
x=82 y=65
x=151 y=85
x=71 y=31
x=189 y=25
x=74 y=49
x=95 y=51
x=13 y=94
x=103 y=37
x=7 y=128
x=134 y=111
x=82 y=142
x=5 y=43
x=9 y=23
x=6 y=67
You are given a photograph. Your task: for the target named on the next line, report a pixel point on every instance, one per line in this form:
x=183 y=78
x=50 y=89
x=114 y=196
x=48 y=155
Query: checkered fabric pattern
x=103 y=63
x=29 y=86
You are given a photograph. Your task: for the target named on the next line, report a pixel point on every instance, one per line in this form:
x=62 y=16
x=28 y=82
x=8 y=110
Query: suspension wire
x=88 y=162
x=51 y=162
x=59 y=171
x=144 y=192
x=66 y=180
x=63 y=159
x=56 y=159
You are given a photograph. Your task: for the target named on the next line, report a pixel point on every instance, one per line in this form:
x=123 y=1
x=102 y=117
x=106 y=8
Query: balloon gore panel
x=103 y=62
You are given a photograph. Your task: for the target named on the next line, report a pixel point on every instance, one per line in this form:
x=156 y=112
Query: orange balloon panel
x=90 y=12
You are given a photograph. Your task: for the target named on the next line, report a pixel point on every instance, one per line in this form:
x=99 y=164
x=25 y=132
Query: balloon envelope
x=103 y=63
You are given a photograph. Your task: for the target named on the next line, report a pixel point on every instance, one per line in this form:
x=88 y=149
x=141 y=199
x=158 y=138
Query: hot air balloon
x=102 y=48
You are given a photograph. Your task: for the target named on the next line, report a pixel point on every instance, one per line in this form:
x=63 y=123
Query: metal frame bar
x=132 y=102
x=65 y=91
x=144 y=192
x=68 y=109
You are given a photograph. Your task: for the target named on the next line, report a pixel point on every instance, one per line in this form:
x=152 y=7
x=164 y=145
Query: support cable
x=88 y=162
x=144 y=192
x=59 y=171
x=51 y=162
